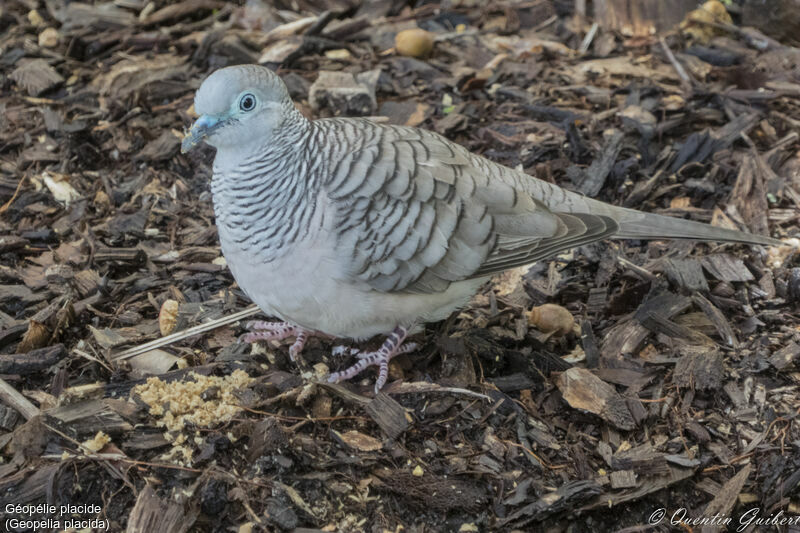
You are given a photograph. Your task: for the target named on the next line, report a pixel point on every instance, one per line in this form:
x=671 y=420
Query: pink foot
x=392 y=346
x=276 y=331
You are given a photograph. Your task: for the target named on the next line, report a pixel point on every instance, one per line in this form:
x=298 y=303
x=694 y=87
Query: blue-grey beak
x=202 y=128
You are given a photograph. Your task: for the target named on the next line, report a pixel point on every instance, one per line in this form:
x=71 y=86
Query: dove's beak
x=202 y=128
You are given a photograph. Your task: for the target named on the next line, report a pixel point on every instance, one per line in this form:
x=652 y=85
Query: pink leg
x=297 y=345
x=392 y=346
x=276 y=331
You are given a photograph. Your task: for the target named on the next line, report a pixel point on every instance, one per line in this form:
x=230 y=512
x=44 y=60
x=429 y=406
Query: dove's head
x=239 y=106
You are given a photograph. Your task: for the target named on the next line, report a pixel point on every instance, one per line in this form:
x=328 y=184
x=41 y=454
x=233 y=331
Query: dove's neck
x=272 y=139
x=264 y=195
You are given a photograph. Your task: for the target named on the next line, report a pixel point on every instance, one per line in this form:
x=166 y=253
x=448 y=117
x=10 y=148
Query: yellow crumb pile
x=179 y=403
x=96 y=443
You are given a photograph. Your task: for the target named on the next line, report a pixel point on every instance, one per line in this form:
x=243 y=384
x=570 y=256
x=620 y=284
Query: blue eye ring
x=247 y=102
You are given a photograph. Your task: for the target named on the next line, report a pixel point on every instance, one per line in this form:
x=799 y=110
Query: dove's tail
x=639 y=225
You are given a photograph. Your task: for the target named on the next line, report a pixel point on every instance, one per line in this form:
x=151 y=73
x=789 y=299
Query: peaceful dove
x=349 y=228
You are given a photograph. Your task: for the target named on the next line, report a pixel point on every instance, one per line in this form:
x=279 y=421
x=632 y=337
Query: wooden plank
x=641 y=18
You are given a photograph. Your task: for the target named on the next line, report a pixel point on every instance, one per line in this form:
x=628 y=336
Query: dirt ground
x=673 y=398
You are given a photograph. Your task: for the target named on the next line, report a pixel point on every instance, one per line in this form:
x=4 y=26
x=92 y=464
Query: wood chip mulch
x=677 y=386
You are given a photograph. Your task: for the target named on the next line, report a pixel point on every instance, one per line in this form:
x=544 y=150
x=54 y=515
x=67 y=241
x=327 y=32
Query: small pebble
x=551 y=318
x=339 y=53
x=414 y=43
x=35 y=18
x=48 y=38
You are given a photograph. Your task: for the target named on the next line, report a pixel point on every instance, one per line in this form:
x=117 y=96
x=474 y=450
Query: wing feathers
x=420 y=212
x=421 y=215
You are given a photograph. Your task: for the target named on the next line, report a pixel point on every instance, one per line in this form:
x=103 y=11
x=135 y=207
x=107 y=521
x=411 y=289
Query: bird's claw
x=276 y=331
x=377 y=358
x=392 y=346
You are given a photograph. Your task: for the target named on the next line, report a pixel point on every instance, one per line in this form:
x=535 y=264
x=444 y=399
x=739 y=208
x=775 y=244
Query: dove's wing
x=420 y=212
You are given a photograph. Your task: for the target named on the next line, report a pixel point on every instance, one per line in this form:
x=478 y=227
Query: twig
x=196 y=330
x=587 y=41
x=640 y=271
x=90 y=357
x=16 y=400
x=417 y=387
x=5 y=207
x=678 y=67
x=786 y=118
x=546 y=23
x=106 y=458
x=754 y=39
x=414 y=387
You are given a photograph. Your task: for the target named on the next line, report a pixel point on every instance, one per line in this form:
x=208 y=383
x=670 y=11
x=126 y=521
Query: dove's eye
x=248 y=102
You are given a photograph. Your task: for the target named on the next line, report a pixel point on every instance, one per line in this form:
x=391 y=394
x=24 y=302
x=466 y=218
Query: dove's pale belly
x=302 y=287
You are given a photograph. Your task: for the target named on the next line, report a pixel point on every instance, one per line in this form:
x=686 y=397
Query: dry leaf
x=680 y=202
x=359 y=441
x=168 y=317
x=154 y=362
x=58 y=185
